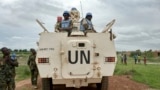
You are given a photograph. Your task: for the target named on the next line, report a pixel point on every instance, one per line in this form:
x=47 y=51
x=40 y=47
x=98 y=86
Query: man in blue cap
x=86 y=24
x=66 y=24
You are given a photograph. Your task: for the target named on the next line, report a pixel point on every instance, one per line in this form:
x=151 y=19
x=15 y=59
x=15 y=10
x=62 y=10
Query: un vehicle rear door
x=78 y=59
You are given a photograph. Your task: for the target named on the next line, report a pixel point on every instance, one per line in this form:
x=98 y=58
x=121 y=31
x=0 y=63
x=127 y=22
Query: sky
x=137 y=23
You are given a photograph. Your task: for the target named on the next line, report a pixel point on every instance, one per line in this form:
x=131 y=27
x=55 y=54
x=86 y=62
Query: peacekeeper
x=3 y=83
x=66 y=24
x=9 y=67
x=33 y=68
x=86 y=24
x=59 y=20
x=14 y=59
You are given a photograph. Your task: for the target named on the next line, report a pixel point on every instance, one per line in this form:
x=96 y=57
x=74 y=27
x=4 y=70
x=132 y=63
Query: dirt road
x=115 y=83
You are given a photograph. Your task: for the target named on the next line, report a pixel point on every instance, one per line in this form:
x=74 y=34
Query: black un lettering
x=83 y=57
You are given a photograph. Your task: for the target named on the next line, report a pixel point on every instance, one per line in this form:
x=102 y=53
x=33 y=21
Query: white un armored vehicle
x=76 y=60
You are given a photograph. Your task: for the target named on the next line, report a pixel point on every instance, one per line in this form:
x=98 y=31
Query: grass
x=154 y=59
x=147 y=74
x=22 y=72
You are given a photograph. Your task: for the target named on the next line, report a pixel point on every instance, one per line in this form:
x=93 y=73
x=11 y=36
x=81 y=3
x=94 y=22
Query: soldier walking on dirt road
x=33 y=68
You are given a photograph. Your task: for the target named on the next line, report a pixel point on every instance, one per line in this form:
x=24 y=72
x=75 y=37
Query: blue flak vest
x=65 y=23
x=90 y=26
x=81 y=26
x=13 y=56
x=89 y=23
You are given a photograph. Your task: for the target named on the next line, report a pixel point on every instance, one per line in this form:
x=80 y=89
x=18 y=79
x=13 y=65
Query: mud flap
x=47 y=84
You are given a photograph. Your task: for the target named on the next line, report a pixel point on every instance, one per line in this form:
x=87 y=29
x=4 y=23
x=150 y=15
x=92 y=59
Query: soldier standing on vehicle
x=86 y=24
x=9 y=67
x=66 y=24
x=59 y=20
x=33 y=68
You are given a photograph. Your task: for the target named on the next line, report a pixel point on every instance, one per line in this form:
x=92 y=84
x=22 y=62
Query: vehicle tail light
x=43 y=60
x=109 y=59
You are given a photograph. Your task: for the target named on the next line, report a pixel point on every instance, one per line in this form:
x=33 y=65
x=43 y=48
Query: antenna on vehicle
x=108 y=26
x=40 y=23
x=81 y=8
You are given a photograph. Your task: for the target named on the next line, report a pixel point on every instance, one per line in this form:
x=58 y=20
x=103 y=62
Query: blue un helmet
x=89 y=14
x=66 y=13
x=13 y=56
x=73 y=8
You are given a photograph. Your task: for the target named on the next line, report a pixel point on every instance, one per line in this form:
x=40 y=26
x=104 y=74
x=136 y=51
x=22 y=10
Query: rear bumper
x=76 y=82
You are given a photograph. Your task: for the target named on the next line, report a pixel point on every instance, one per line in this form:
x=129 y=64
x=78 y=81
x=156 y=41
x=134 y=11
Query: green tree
x=149 y=53
x=24 y=50
x=138 y=52
x=15 y=50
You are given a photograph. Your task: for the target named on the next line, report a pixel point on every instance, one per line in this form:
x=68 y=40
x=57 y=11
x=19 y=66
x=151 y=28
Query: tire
x=47 y=84
x=98 y=86
x=104 y=84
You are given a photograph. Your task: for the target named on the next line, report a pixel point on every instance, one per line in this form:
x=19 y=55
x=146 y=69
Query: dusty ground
x=115 y=83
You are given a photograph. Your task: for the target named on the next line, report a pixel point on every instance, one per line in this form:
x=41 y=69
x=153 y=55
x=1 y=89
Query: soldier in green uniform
x=3 y=83
x=14 y=59
x=33 y=68
x=9 y=66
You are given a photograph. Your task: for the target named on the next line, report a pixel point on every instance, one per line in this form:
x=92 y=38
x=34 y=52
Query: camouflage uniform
x=9 y=79
x=13 y=73
x=3 y=83
x=7 y=65
x=34 y=70
x=57 y=26
x=10 y=75
x=14 y=59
